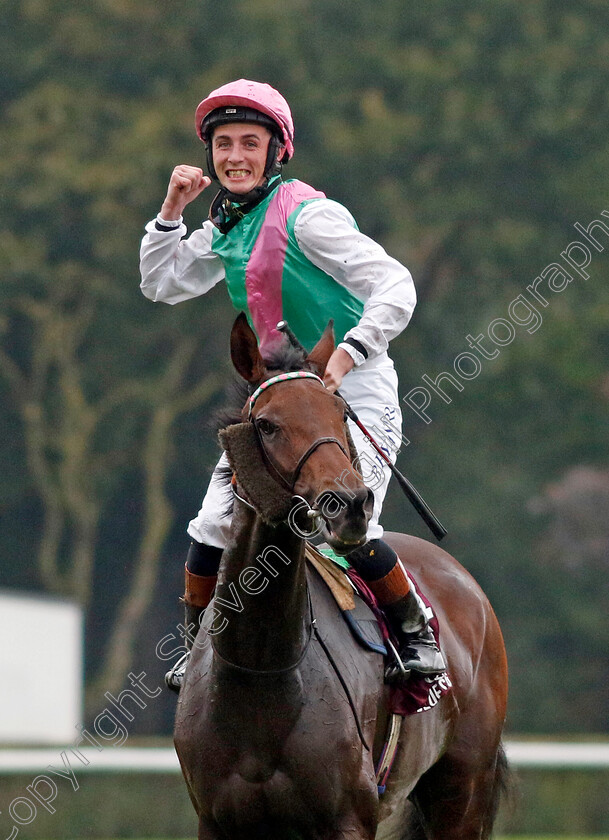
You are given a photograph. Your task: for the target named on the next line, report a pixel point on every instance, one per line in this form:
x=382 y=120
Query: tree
x=468 y=138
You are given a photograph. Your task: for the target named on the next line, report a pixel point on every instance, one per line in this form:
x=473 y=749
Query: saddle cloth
x=366 y=621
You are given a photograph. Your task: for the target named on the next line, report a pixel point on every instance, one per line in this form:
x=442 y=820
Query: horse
x=282 y=713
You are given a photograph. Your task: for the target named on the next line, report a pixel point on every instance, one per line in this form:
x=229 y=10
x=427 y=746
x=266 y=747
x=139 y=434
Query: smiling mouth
x=237 y=173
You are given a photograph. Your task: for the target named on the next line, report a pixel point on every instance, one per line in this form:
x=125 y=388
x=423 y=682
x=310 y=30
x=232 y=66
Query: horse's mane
x=285 y=360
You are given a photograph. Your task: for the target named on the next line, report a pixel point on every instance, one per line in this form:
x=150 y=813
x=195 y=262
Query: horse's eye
x=265 y=427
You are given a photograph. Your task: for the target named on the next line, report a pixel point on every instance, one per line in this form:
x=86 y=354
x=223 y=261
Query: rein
x=278 y=672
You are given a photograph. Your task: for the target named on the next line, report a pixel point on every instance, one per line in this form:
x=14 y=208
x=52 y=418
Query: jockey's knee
x=373 y=560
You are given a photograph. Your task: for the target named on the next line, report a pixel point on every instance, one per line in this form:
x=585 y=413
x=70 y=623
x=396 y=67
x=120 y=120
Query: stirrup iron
x=402 y=670
x=175 y=676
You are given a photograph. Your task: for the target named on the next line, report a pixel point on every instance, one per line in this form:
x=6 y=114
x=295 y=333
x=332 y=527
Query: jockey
x=287 y=252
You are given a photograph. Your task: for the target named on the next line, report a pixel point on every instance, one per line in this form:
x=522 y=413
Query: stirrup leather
x=175 y=676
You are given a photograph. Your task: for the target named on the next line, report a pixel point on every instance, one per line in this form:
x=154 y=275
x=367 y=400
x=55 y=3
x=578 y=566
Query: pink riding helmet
x=257 y=95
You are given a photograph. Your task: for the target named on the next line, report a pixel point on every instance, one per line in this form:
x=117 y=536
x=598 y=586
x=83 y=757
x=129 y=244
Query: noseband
x=290 y=482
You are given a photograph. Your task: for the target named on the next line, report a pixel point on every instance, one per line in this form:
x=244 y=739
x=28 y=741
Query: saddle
x=365 y=623
x=371 y=630
x=369 y=627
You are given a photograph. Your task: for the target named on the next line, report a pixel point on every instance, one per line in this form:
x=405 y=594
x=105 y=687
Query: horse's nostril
x=332 y=503
x=350 y=504
x=364 y=501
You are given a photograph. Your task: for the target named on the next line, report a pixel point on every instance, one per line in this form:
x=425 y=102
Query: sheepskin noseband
x=271 y=501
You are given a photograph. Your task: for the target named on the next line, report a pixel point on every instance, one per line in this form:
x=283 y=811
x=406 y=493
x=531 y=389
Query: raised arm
x=172 y=268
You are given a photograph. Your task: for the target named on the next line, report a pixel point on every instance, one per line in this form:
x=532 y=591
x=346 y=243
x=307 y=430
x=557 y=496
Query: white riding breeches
x=372 y=391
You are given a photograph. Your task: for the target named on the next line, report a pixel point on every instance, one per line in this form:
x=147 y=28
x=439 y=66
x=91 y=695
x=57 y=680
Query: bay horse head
x=292 y=455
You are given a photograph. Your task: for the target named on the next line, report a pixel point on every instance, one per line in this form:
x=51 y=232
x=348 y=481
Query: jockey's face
x=239 y=151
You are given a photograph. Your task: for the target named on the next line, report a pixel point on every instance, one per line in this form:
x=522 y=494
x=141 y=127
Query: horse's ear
x=244 y=351
x=320 y=354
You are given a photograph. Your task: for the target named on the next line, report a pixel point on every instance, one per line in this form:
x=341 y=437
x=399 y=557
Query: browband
x=281 y=377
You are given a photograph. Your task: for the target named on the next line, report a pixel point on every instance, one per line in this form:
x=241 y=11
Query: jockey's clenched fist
x=185 y=184
x=339 y=364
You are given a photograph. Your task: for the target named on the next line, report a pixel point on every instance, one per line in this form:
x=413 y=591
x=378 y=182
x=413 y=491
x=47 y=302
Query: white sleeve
x=327 y=236
x=175 y=269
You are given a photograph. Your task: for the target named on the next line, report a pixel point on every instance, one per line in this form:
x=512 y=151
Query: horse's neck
x=261 y=595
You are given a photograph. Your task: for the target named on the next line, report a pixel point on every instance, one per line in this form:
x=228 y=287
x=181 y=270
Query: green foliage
x=124 y=805
x=557 y=803
x=468 y=138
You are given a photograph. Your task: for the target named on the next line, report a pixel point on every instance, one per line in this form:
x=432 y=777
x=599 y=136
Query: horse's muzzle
x=345 y=516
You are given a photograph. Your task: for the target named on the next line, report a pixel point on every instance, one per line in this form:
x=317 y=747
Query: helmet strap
x=227 y=208
x=210 y=161
x=273 y=159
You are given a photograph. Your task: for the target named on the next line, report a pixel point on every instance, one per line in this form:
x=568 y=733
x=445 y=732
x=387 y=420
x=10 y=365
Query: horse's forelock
x=285 y=360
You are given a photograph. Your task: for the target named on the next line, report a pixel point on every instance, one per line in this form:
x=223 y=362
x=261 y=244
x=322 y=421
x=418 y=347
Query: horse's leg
x=349 y=829
x=352 y=829
x=457 y=798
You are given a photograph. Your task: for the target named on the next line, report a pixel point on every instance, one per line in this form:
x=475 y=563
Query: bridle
x=288 y=482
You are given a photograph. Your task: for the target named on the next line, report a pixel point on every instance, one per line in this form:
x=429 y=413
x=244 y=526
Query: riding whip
x=412 y=494
x=410 y=491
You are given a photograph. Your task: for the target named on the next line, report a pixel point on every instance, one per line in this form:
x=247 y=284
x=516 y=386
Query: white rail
x=557 y=754
x=525 y=754
x=116 y=759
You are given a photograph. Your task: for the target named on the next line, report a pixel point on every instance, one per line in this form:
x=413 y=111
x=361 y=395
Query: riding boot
x=383 y=572
x=197 y=595
x=192 y=619
x=417 y=647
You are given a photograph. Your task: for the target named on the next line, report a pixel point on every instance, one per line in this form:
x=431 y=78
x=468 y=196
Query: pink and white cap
x=247 y=94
